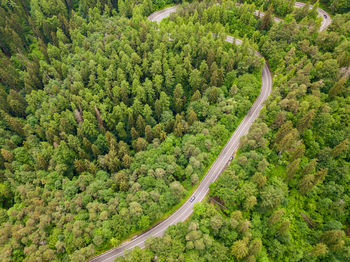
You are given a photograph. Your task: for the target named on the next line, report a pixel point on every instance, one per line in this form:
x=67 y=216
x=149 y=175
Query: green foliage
x=105 y=124
x=285 y=196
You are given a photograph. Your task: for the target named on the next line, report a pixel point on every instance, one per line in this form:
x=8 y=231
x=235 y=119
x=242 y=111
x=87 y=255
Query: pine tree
x=204 y=69
x=310 y=167
x=286 y=142
x=213 y=95
x=283 y=131
x=87 y=145
x=192 y=117
x=306 y=120
x=147 y=7
x=121 y=7
x=148 y=133
x=214 y=79
x=244 y=226
x=334 y=239
x=195 y=79
x=147 y=114
x=14 y=124
x=111 y=141
x=158 y=108
x=267 y=19
x=210 y=57
x=7 y=155
x=126 y=161
x=320 y=175
x=41 y=163
x=179 y=129
x=17 y=103
x=196 y=96
x=284 y=227
x=140 y=125
x=134 y=133
x=340 y=148
x=233 y=90
x=140 y=144
x=79 y=165
x=95 y=150
x=338 y=87
x=298 y=152
x=276 y=217
x=169 y=79
x=121 y=133
x=239 y=248
x=319 y=250
x=292 y=168
x=3 y=101
x=250 y=202
x=178 y=98
x=255 y=246
x=306 y=183
x=259 y=179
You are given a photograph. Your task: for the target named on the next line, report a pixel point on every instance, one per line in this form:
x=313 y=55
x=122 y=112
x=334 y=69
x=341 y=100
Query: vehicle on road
x=184 y=212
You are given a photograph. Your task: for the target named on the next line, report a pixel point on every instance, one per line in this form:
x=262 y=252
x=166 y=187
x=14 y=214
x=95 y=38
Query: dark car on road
x=192 y=199
x=325 y=16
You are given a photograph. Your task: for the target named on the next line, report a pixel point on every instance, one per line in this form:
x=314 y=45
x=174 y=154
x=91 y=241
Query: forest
x=108 y=122
x=285 y=197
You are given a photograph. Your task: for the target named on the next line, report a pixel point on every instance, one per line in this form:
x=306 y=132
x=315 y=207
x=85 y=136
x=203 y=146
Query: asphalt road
x=326 y=19
x=220 y=163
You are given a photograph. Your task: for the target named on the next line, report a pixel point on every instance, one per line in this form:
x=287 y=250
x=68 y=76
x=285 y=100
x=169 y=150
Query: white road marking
x=221 y=161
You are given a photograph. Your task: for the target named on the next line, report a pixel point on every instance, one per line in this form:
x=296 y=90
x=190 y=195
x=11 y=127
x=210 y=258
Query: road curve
x=326 y=19
x=220 y=163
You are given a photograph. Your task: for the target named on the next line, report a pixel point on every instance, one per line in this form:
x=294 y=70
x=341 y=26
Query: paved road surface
x=326 y=19
x=220 y=163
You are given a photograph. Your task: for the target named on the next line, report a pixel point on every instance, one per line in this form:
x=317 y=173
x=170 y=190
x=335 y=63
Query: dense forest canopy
x=284 y=7
x=286 y=195
x=108 y=121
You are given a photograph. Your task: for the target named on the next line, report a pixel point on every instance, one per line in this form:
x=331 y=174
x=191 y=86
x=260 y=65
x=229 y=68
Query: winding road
x=222 y=160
